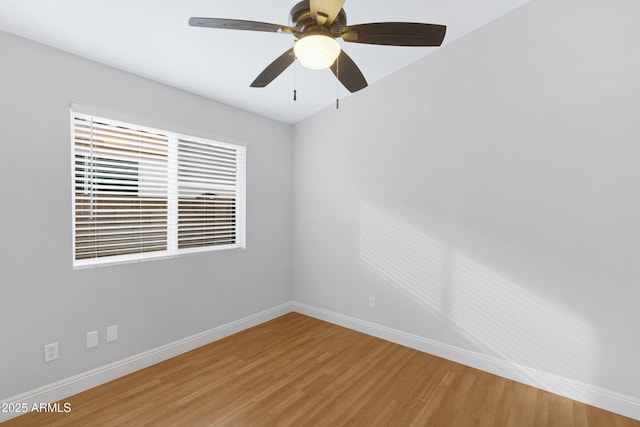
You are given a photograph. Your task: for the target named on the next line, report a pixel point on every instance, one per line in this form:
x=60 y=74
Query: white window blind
x=143 y=193
x=207 y=182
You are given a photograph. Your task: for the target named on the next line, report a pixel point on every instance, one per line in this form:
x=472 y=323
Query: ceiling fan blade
x=325 y=11
x=348 y=73
x=237 y=24
x=395 y=34
x=274 y=69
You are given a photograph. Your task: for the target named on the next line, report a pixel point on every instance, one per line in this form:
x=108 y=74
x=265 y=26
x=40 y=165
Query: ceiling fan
x=316 y=24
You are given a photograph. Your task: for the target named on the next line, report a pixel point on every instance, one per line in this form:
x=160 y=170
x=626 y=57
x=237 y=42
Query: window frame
x=174 y=137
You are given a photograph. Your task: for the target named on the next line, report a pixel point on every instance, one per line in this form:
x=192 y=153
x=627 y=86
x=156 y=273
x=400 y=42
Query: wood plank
x=295 y=370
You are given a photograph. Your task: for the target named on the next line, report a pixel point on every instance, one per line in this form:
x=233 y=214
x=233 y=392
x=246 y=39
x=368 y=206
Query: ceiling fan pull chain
x=295 y=81
x=338 y=83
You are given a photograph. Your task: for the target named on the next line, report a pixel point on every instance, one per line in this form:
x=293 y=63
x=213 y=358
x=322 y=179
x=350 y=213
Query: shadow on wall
x=498 y=316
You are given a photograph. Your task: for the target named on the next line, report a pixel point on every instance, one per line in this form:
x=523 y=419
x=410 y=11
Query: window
x=141 y=193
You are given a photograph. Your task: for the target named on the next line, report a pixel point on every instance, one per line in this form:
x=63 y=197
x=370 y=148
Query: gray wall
x=488 y=195
x=42 y=299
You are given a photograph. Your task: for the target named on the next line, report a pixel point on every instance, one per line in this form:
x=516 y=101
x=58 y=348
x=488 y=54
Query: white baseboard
x=606 y=399
x=86 y=380
x=615 y=402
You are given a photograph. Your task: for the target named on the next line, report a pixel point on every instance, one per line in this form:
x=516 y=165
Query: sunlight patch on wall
x=497 y=316
x=515 y=325
x=402 y=255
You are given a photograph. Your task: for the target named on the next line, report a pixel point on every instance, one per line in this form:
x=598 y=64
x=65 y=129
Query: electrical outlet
x=372 y=302
x=51 y=352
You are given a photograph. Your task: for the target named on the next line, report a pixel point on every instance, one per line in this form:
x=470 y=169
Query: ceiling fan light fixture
x=317 y=51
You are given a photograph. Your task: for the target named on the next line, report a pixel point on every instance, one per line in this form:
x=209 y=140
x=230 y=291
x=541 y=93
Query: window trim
x=173 y=136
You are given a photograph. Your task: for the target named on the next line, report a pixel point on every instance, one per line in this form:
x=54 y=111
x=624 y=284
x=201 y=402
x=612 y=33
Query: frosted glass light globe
x=317 y=51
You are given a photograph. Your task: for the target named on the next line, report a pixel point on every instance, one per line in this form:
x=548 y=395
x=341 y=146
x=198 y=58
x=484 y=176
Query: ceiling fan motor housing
x=300 y=17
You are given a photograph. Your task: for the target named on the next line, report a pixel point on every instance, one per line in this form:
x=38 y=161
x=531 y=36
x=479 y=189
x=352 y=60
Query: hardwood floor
x=295 y=371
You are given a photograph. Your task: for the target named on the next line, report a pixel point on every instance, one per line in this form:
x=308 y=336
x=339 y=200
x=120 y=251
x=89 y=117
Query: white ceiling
x=151 y=38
